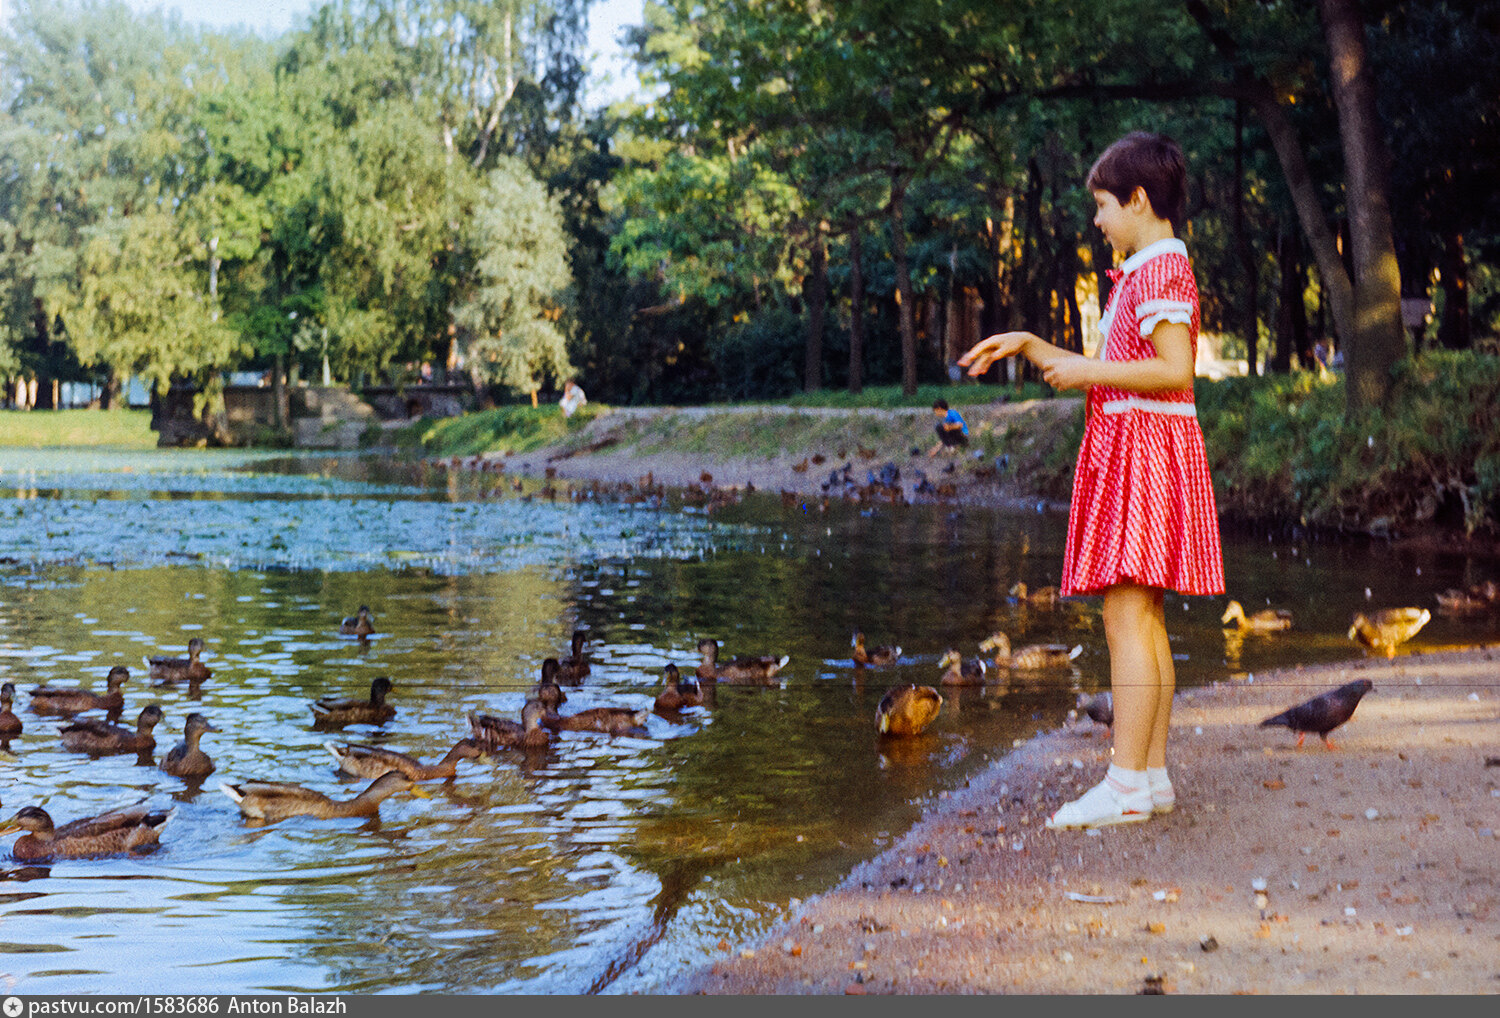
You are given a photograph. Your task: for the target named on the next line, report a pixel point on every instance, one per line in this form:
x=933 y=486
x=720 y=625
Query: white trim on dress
x=1153 y=406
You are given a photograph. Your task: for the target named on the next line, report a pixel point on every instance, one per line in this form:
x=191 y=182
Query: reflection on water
x=600 y=863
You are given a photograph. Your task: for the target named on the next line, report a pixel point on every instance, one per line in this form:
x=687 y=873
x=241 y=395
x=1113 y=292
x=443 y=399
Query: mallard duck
x=330 y=711
x=277 y=800
x=960 y=672
x=100 y=738
x=10 y=725
x=745 y=671
x=177 y=669
x=907 y=710
x=1388 y=628
x=492 y=733
x=887 y=655
x=1100 y=708
x=73 y=700
x=1032 y=657
x=113 y=833
x=186 y=760
x=574 y=667
x=358 y=624
x=1463 y=602
x=608 y=720
x=675 y=693
x=547 y=691
x=363 y=761
x=1042 y=597
x=1267 y=620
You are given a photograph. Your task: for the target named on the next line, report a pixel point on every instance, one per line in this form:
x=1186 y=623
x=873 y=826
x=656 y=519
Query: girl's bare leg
x=1166 y=675
x=1136 y=632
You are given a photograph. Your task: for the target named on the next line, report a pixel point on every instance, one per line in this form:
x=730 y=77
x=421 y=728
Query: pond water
x=602 y=864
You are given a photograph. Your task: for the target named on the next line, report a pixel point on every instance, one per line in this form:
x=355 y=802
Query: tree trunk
x=856 y=314
x=815 y=296
x=1243 y=246
x=1291 y=312
x=905 y=300
x=1378 y=340
x=1456 y=329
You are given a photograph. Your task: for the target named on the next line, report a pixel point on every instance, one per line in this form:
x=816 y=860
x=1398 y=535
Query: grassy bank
x=1282 y=449
x=39 y=429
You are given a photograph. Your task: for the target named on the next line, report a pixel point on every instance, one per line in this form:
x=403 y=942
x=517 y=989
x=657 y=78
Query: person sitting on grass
x=952 y=432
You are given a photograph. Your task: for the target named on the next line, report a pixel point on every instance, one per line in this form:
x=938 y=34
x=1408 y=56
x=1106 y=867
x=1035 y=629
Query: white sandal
x=1102 y=806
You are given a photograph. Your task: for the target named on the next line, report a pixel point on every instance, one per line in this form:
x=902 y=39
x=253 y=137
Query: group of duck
x=138 y=827
x=907 y=710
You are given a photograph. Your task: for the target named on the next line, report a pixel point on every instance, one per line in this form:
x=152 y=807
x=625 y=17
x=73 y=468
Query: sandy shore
x=1374 y=868
x=1379 y=861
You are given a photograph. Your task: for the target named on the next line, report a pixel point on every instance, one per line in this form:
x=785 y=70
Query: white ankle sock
x=1157 y=780
x=1124 y=781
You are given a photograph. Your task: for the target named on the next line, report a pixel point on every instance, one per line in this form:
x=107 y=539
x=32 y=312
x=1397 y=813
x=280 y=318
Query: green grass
x=513 y=429
x=40 y=429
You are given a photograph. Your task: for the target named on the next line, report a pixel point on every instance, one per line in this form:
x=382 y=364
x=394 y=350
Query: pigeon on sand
x=1323 y=713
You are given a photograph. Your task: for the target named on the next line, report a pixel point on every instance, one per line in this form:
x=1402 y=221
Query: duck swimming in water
x=675 y=693
x=334 y=712
x=113 y=833
x=75 y=700
x=741 y=671
x=363 y=761
x=907 y=710
x=100 y=738
x=1267 y=620
x=877 y=656
x=573 y=668
x=167 y=670
x=494 y=733
x=186 y=760
x=10 y=725
x=1032 y=657
x=359 y=624
x=277 y=800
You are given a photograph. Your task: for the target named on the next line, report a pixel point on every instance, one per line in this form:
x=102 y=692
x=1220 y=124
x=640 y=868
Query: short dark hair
x=940 y=404
x=1150 y=161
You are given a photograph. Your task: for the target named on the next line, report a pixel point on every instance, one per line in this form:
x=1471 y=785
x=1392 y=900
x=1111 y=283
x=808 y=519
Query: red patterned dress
x=1143 y=504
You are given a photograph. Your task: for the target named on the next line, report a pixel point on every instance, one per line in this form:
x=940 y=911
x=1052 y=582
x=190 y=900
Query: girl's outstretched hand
x=987 y=351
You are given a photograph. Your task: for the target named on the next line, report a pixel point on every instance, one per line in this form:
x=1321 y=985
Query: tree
x=521 y=278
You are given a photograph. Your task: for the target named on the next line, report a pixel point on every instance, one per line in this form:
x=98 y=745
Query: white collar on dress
x=1167 y=245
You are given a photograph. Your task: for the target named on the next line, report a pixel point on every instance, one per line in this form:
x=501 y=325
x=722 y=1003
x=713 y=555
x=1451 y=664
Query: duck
x=186 y=760
x=1267 y=620
x=547 y=691
x=608 y=720
x=365 y=761
x=1100 y=708
x=1042 y=597
x=1464 y=602
x=10 y=725
x=573 y=668
x=359 y=624
x=330 y=711
x=100 y=738
x=887 y=655
x=676 y=693
x=1032 y=657
x=277 y=800
x=114 y=833
x=907 y=710
x=175 y=669
x=74 y=700
x=1387 y=628
x=492 y=733
x=744 y=671
x=960 y=672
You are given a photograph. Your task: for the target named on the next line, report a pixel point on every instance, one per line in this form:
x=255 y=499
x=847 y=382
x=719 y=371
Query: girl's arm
x=1008 y=344
x=1171 y=370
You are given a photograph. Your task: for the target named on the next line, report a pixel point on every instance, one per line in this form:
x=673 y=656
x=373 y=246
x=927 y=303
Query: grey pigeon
x=1100 y=708
x=1323 y=713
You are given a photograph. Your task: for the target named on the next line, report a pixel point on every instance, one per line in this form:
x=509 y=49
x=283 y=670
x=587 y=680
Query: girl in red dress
x=1142 y=519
